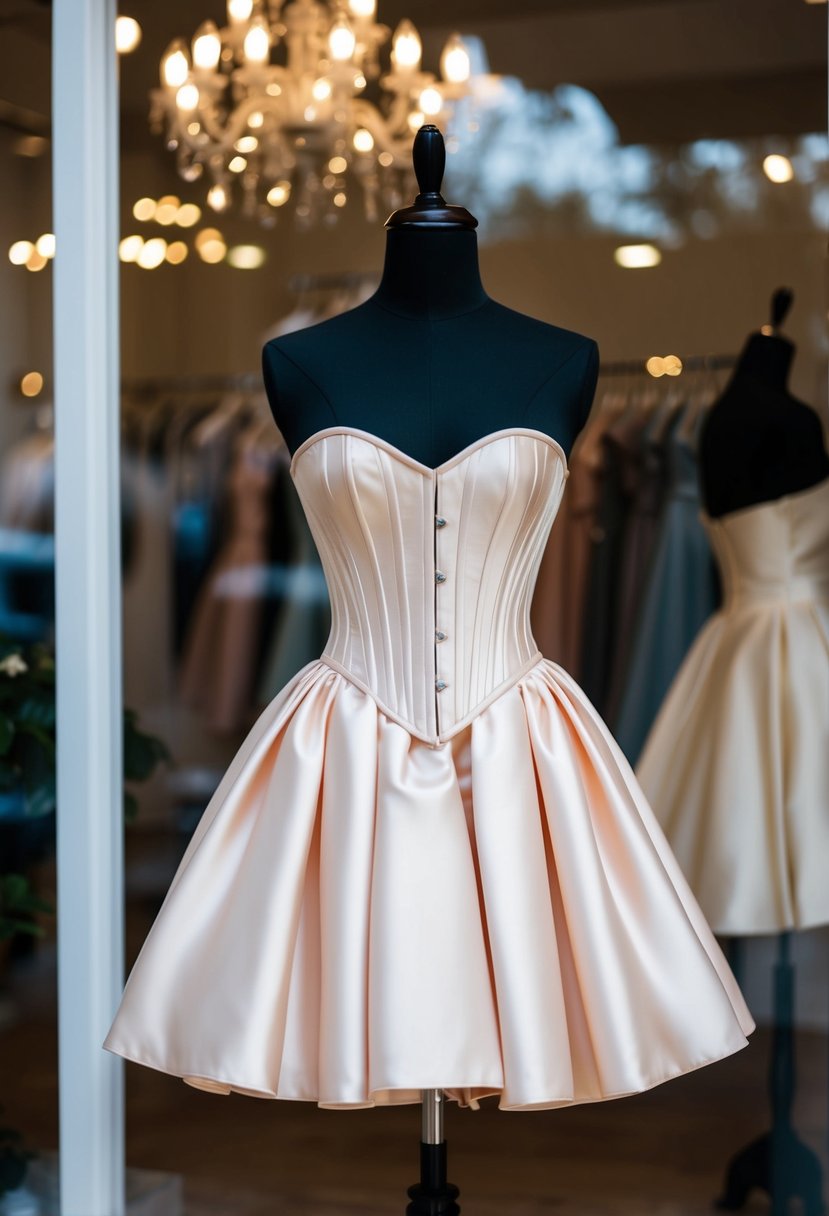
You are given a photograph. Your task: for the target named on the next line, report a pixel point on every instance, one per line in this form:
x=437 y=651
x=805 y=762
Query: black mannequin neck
x=766 y=357
x=430 y=274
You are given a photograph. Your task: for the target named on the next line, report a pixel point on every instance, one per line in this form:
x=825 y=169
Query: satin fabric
x=391 y=891
x=737 y=763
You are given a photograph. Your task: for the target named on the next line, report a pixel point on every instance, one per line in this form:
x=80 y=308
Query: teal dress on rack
x=681 y=592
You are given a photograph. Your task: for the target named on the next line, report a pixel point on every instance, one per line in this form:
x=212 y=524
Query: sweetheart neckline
x=432 y=471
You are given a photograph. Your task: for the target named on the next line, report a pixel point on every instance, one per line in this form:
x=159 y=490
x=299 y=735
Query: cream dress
x=429 y=865
x=736 y=765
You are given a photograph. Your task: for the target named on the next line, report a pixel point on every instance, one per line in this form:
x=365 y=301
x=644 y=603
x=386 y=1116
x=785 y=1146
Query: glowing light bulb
x=167 y=212
x=187 y=98
x=20 y=252
x=212 y=251
x=176 y=253
x=430 y=102
x=258 y=42
x=340 y=199
x=239 y=10
x=455 y=64
x=175 y=66
x=152 y=253
x=187 y=215
x=635 y=257
x=130 y=247
x=256 y=120
x=31 y=384
x=321 y=90
x=778 y=169
x=338 y=165
x=279 y=194
x=246 y=257
x=363 y=140
x=36 y=261
x=363 y=10
x=207 y=47
x=341 y=40
x=207 y=234
x=246 y=144
x=45 y=245
x=415 y=120
x=127 y=34
x=406 y=47
x=217 y=197
x=144 y=209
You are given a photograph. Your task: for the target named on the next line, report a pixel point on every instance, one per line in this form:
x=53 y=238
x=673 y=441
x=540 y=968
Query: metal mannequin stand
x=433 y=1195
x=778 y=1162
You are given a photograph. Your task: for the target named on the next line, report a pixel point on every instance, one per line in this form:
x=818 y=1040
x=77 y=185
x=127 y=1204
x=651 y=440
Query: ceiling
x=666 y=70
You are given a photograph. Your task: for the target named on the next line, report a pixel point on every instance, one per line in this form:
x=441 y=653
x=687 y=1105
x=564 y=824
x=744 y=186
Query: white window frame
x=88 y=603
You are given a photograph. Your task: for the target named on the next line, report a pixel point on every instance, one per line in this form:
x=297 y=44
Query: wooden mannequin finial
x=430 y=209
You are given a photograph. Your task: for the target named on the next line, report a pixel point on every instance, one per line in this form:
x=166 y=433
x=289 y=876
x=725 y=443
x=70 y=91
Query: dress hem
x=478 y=1092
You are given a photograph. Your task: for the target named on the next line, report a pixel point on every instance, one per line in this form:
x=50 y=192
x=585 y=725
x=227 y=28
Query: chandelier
x=289 y=101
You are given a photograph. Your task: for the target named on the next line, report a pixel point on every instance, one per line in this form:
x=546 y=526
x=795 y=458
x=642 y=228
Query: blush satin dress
x=429 y=865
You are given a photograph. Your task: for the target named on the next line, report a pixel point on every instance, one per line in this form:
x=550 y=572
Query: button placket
x=440 y=577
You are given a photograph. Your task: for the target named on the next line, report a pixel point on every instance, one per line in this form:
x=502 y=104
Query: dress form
x=759 y=442
x=430 y=362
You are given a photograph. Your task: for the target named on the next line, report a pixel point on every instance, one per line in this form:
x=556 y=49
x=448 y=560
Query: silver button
x=440 y=522
x=440 y=685
x=440 y=577
x=440 y=635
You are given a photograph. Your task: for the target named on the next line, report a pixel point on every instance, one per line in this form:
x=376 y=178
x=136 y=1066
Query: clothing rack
x=194 y=383
x=693 y=363
x=331 y=282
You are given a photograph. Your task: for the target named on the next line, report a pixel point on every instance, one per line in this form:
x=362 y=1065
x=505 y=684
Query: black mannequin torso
x=759 y=442
x=430 y=363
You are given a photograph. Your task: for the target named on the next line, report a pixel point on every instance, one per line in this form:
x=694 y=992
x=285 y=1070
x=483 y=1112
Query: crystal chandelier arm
x=382 y=130
x=224 y=136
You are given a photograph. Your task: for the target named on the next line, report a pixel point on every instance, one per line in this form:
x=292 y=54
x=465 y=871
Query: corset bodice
x=430 y=571
x=776 y=551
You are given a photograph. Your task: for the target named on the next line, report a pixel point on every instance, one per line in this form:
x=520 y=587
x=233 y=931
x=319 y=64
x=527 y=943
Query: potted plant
x=27 y=809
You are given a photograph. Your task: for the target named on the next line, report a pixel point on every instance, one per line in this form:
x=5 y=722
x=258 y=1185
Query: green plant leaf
x=18 y=903
x=41 y=800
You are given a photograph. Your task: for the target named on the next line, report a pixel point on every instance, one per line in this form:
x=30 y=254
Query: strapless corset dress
x=429 y=865
x=736 y=765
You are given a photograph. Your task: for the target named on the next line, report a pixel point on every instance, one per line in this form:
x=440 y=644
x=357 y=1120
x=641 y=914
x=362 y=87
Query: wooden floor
x=661 y=1153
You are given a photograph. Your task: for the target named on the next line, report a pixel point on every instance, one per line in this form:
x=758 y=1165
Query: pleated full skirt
x=736 y=767
x=360 y=915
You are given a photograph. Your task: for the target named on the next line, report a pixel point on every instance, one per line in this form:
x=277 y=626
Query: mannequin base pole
x=433 y=1195
x=780 y=1164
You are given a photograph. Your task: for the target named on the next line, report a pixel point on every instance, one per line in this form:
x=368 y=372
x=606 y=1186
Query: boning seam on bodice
x=438 y=739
